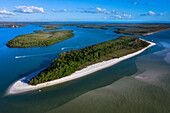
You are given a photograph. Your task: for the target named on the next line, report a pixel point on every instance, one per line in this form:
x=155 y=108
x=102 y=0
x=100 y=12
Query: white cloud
x=118 y=12
x=30 y=9
x=115 y=12
x=100 y=9
x=63 y=10
x=6 y=12
x=105 y=17
x=118 y=16
x=127 y=16
x=162 y=14
x=151 y=13
x=122 y=16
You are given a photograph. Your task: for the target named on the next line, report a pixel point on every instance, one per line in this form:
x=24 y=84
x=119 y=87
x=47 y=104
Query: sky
x=85 y=10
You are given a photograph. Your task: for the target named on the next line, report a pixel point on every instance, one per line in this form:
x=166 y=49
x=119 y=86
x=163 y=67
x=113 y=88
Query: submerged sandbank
x=21 y=85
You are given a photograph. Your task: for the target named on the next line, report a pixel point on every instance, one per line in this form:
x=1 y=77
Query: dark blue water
x=3 y=26
x=16 y=62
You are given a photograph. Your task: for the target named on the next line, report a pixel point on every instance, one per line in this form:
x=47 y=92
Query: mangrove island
x=74 y=60
x=40 y=39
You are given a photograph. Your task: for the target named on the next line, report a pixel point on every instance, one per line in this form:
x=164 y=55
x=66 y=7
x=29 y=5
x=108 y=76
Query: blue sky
x=85 y=10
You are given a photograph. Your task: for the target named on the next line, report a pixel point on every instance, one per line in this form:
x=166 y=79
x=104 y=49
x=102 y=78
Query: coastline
x=146 y=34
x=21 y=87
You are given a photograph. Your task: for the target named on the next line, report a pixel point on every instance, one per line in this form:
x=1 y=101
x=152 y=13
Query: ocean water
x=109 y=90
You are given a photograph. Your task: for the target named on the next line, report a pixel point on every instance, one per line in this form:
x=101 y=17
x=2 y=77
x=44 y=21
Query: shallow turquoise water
x=32 y=59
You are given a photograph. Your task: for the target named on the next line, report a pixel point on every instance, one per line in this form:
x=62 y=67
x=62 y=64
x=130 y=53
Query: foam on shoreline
x=20 y=86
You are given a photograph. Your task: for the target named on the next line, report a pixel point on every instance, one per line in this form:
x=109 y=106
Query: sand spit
x=21 y=86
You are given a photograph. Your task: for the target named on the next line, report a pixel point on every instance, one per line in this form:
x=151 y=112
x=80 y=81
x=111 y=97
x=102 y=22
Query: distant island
x=75 y=60
x=143 y=29
x=47 y=28
x=11 y=25
x=140 y=29
x=58 y=26
x=40 y=39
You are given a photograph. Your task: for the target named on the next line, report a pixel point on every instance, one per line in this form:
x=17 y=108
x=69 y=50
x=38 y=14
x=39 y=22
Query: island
x=77 y=63
x=84 y=25
x=11 y=25
x=40 y=39
x=58 y=26
x=75 y=60
x=143 y=29
x=48 y=28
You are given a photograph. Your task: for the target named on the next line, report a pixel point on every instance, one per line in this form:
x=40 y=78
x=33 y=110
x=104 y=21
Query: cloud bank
x=123 y=16
x=151 y=13
x=99 y=10
x=7 y=12
x=63 y=10
x=30 y=9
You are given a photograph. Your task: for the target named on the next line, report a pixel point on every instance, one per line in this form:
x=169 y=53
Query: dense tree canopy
x=74 y=60
x=40 y=39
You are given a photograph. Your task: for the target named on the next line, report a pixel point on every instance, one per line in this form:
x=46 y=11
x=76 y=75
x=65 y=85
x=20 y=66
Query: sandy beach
x=146 y=34
x=20 y=86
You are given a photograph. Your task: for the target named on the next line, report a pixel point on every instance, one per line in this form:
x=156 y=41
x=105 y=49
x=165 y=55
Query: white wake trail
x=69 y=47
x=35 y=55
x=43 y=53
x=21 y=56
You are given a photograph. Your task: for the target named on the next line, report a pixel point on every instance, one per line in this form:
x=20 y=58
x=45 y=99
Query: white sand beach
x=146 y=34
x=20 y=86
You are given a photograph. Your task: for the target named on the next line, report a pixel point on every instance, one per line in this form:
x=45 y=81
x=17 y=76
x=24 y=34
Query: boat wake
x=44 y=53
x=21 y=56
x=35 y=55
x=69 y=47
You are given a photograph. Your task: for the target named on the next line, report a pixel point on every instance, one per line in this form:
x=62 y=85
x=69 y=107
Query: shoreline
x=146 y=34
x=20 y=86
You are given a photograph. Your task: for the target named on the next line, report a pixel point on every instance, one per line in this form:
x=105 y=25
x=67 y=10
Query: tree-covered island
x=141 y=28
x=74 y=60
x=40 y=39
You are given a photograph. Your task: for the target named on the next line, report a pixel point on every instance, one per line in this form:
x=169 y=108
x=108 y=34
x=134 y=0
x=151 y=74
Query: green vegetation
x=57 y=26
x=144 y=28
x=60 y=25
x=75 y=60
x=48 y=28
x=84 y=25
x=40 y=39
x=11 y=25
x=134 y=31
